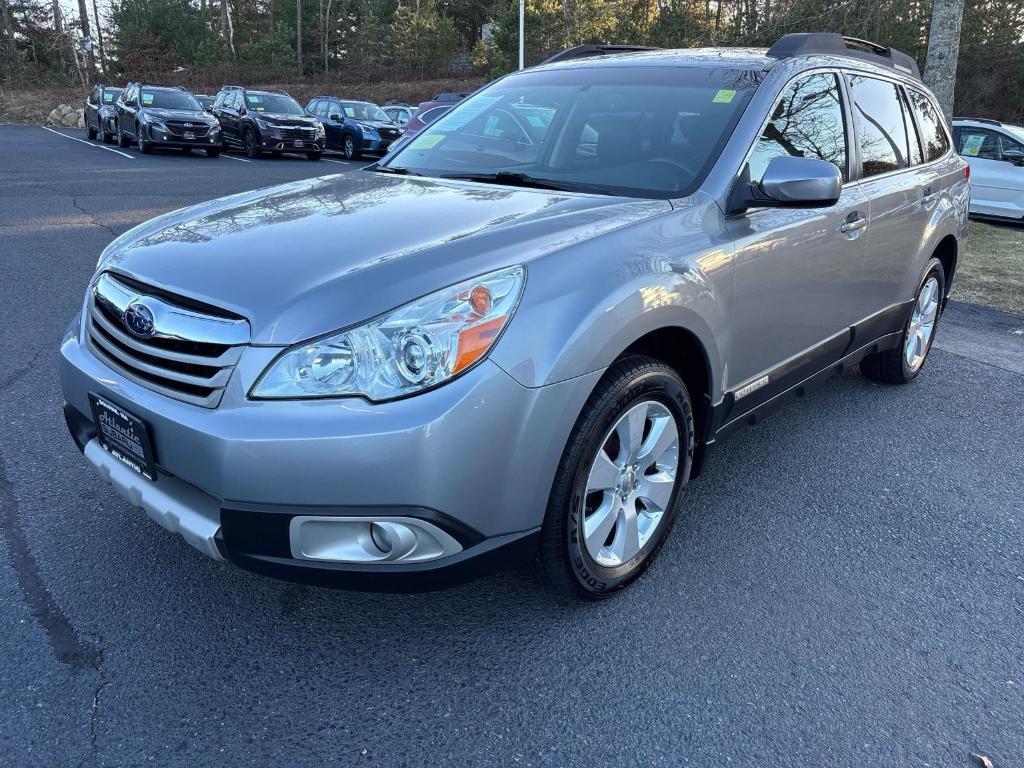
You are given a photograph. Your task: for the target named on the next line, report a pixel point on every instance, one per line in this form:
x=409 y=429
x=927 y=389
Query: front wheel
x=619 y=482
x=213 y=153
x=122 y=140
x=901 y=365
x=144 y=146
x=349 y=148
x=314 y=155
x=91 y=133
x=108 y=138
x=252 y=144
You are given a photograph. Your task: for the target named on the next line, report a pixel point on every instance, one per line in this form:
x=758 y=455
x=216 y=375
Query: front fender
x=585 y=305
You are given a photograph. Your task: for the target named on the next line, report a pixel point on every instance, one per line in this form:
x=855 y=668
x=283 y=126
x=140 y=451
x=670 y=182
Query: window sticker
x=108 y=98
x=972 y=145
x=428 y=141
x=724 y=96
x=469 y=112
x=147 y=99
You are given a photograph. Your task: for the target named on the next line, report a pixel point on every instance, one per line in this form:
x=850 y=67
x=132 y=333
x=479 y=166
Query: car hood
x=176 y=114
x=309 y=257
x=378 y=124
x=281 y=119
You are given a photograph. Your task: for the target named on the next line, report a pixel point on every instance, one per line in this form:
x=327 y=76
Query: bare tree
x=298 y=34
x=99 y=35
x=90 y=58
x=943 y=50
x=12 y=47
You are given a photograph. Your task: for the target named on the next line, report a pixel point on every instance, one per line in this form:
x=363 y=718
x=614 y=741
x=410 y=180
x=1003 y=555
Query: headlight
x=264 y=125
x=370 y=133
x=407 y=350
x=319 y=129
x=157 y=125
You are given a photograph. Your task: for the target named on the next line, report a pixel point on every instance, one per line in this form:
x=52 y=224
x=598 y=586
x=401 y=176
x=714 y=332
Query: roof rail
x=832 y=43
x=986 y=120
x=161 y=85
x=588 y=51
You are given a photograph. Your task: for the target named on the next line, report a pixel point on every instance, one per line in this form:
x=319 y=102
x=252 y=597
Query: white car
x=995 y=152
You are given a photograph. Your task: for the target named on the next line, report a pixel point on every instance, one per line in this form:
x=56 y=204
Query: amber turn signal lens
x=475 y=341
x=480 y=300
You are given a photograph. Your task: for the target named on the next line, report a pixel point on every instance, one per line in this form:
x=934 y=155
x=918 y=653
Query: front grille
x=390 y=133
x=189 y=355
x=297 y=132
x=178 y=128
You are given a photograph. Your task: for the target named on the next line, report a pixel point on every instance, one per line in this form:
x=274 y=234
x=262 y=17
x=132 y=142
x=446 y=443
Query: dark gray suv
x=519 y=336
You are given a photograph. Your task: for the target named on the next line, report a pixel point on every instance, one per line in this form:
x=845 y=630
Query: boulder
x=70 y=119
x=55 y=116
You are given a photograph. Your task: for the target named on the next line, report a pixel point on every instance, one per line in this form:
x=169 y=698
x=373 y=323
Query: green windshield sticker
x=108 y=98
x=349 y=112
x=724 y=96
x=147 y=98
x=428 y=141
x=972 y=145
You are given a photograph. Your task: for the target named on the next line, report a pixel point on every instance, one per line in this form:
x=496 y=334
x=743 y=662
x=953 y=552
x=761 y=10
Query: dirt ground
x=992 y=271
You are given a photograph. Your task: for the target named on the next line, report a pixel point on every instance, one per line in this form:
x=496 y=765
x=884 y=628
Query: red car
x=429 y=111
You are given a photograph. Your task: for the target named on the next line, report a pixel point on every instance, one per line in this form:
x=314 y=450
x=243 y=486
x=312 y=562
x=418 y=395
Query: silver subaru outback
x=518 y=337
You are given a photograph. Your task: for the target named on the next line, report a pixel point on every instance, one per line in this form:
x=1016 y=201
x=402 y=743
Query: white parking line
x=328 y=160
x=88 y=143
x=232 y=157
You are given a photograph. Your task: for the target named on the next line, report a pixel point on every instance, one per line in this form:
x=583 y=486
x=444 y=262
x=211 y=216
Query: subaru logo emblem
x=188 y=125
x=139 y=320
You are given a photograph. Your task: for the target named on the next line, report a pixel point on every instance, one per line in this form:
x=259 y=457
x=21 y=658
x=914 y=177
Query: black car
x=100 y=115
x=266 y=121
x=206 y=102
x=354 y=127
x=165 y=116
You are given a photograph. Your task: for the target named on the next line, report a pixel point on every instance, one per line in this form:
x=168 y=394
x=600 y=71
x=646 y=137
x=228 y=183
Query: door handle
x=929 y=197
x=853 y=226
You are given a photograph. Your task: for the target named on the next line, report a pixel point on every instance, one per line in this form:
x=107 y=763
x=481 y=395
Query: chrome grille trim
x=185 y=374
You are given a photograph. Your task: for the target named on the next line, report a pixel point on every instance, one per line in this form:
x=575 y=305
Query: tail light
x=967 y=171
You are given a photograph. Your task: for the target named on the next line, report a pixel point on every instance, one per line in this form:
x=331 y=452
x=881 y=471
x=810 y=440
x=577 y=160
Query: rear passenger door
x=901 y=194
x=796 y=269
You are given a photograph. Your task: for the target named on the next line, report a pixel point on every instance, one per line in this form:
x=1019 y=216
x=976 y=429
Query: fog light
x=380 y=537
x=368 y=540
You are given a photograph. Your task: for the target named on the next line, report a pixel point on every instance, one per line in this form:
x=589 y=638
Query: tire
x=144 y=146
x=314 y=155
x=349 y=148
x=635 y=385
x=122 y=140
x=213 y=153
x=108 y=138
x=186 y=150
x=91 y=132
x=903 y=364
x=251 y=144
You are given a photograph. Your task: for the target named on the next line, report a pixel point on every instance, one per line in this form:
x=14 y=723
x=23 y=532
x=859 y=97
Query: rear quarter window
x=881 y=129
x=930 y=123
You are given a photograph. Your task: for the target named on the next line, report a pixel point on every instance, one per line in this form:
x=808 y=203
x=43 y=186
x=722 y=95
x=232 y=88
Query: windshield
x=272 y=102
x=635 y=131
x=357 y=110
x=170 y=100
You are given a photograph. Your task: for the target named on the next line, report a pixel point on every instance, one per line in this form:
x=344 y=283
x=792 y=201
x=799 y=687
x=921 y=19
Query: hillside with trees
x=312 y=43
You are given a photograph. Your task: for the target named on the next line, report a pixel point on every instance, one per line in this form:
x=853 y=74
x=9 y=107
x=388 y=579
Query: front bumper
x=166 y=139
x=475 y=458
x=277 y=144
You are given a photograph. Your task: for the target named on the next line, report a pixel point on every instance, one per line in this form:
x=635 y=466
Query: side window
x=808 y=122
x=931 y=125
x=881 y=132
x=915 y=145
x=986 y=144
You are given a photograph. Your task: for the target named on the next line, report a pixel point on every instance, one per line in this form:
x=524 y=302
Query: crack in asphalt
x=94 y=709
x=91 y=216
x=19 y=373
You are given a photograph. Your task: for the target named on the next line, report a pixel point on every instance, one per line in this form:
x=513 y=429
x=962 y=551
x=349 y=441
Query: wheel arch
x=947 y=252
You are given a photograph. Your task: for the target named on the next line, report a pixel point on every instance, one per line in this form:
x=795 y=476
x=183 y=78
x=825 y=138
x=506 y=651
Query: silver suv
x=517 y=338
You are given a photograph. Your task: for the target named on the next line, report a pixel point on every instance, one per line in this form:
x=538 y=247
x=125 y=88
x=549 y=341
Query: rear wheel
x=251 y=144
x=901 y=365
x=620 y=481
x=108 y=138
x=122 y=140
x=91 y=132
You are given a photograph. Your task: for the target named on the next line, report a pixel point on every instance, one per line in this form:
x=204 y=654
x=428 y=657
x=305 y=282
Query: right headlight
x=407 y=350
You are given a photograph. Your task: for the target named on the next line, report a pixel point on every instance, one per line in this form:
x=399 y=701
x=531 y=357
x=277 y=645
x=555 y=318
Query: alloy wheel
x=630 y=484
x=350 y=148
x=922 y=323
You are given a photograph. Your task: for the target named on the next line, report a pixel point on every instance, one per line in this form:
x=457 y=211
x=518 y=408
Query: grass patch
x=992 y=271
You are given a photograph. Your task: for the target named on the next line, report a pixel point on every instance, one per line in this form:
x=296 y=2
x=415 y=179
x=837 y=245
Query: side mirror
x=789 y=182
x=336 y=117
x=208 y=108
x=1015 y=156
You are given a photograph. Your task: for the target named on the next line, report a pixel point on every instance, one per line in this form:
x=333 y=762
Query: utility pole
x=522 y=39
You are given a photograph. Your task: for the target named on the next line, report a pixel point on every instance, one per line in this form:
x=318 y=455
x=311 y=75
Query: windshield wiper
x=397 y=170
x=516 y=179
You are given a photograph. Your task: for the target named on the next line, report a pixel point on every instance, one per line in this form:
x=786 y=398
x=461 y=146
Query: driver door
x=797 y=269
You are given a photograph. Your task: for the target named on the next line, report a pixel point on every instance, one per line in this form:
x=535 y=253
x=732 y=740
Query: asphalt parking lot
x=845 y=587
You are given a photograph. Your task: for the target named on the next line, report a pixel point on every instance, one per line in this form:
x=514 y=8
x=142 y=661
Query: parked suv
x=100 y=113
x=489 y=348
x=164 y=116
x=995 y=153
x=260 y=121
x=354 y=127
